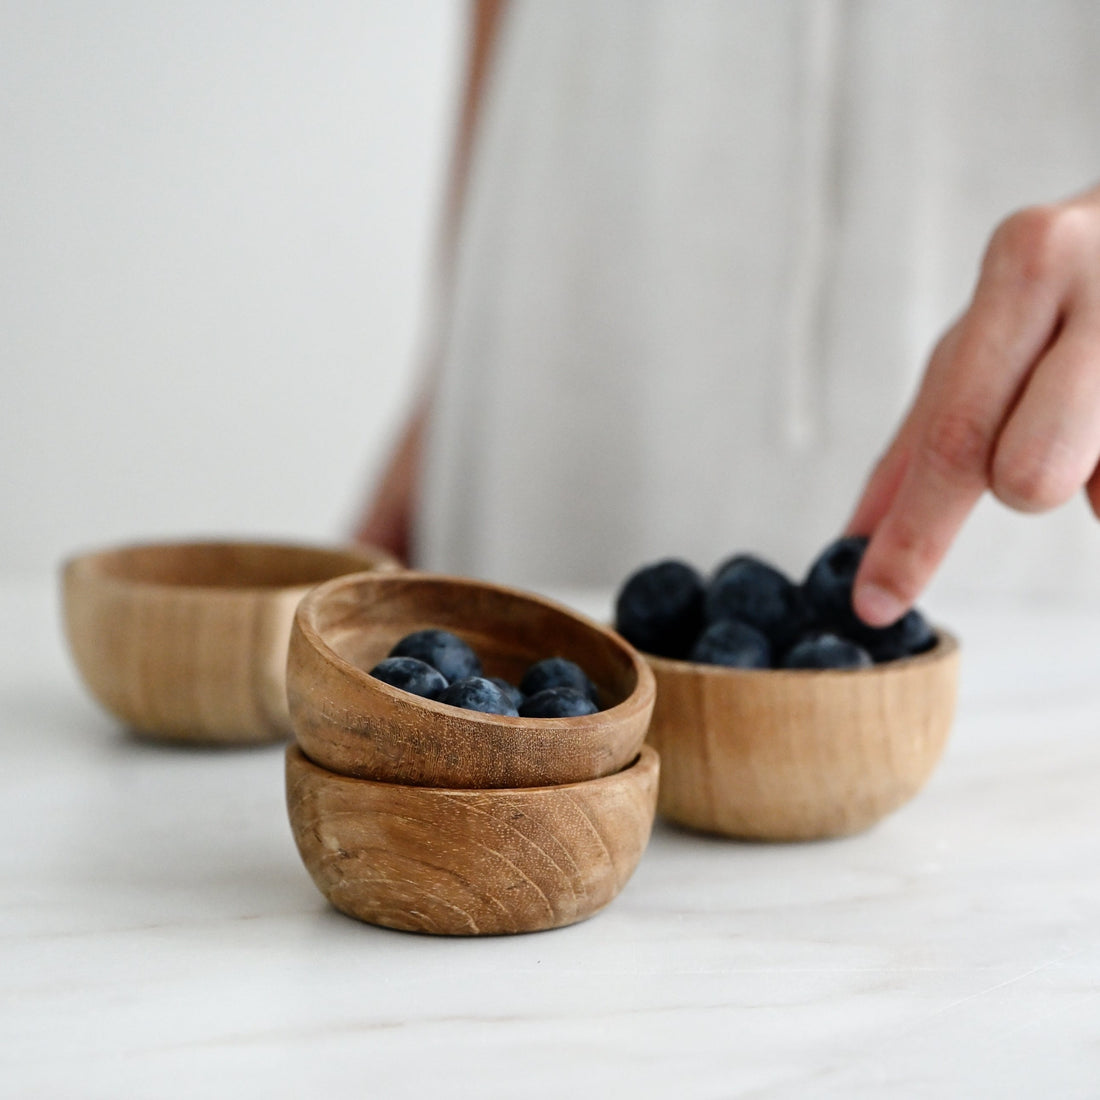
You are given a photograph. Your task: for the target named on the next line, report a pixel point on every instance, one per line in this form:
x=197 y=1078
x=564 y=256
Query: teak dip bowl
x=188 y=641
x=799 y=754
x=348 y=722
x=470 y=862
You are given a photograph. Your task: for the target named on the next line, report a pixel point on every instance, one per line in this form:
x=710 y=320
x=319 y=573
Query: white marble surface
x=159 y=937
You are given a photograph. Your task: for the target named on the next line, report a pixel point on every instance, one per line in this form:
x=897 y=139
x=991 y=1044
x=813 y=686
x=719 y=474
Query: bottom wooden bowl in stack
x=420 y=816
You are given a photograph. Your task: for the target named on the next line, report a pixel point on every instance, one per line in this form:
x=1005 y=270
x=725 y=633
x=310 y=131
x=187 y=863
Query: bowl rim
x=641 y=697
x=85 y=565
x=946 y=645
x=646 y=759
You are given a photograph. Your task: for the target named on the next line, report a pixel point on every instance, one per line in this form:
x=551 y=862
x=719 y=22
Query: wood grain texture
x=188 y=641
x=349 y=722
x=468 y=863
x=796 y=755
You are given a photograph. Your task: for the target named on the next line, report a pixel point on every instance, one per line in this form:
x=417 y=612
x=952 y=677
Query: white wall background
x=216 y=225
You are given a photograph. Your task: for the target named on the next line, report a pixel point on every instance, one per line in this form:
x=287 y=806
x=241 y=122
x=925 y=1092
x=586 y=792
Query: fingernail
x=876 y=606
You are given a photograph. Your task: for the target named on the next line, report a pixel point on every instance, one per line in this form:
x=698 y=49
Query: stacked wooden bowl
x=420 y=816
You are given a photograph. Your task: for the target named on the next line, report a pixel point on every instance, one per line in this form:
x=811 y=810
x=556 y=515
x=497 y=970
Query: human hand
x=1010 y=402
x=387 y=521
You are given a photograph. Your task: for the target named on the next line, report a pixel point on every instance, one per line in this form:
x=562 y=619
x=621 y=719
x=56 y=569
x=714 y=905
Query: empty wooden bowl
x=349 y=722
x=799 y=754
x=468 y=862
x=188 y=641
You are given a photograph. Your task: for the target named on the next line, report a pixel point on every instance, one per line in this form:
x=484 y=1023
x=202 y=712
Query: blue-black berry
x=660 y=608
x=732 y=644
x=754 y=592
x=511 y=692
x=477 y=693
x=827 y=651
x=442 y=650
x=828 y=589
x=557 y=702
x=828 y=585
x=911 y=634
x=409 y=674
x=555 y=672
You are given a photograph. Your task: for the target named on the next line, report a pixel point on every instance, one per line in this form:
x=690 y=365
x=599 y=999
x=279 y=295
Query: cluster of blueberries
x=750 y=615
x=439 y=665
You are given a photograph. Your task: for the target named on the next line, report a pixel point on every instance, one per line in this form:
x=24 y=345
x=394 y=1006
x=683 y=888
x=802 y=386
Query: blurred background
x=217 y=223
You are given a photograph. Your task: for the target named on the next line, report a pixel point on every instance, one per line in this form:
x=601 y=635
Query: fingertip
x=908 y=545
x=875 y=605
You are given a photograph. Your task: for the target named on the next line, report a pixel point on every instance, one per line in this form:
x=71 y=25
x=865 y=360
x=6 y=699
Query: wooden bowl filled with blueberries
x=470 y=759
x=779 y=714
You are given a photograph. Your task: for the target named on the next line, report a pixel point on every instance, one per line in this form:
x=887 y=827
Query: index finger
x=1011 y=320
x=882 y=486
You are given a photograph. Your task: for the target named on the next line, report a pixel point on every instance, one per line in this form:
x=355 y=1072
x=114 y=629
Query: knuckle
x=1034 y=479
x=1034 y=242
x=956 y=445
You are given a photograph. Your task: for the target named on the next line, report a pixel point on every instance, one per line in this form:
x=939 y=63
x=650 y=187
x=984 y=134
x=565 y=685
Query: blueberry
x=659 y=609
x=511 y=692
x=828 y=585
x=733 y=644
x=828 y=590
x=911 y=634
x=557 y=702
x=557 y=672
x=409 y=674
x=477 y=693
x=754 y=592
x=826 y=651
x=442 y=650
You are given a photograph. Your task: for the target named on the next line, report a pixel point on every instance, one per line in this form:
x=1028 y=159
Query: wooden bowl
x=467 y=862
x=188 y=641
x=797 y=755
x=349 y=722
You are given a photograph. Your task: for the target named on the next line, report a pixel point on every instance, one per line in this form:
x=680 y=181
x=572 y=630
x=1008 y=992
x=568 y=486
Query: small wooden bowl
x=349 y=722
x=798 y=755
x=188 y=641
x=467 y=862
